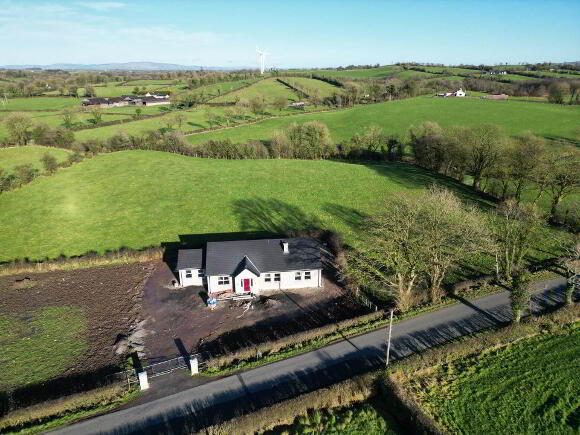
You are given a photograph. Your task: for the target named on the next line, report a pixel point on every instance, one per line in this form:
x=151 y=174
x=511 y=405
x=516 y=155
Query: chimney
x=285 y=247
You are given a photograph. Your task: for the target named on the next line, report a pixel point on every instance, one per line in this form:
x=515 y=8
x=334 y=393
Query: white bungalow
x=251 y=266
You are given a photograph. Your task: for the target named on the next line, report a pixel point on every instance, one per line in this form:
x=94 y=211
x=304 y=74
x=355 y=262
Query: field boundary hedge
x=90 y=259
x=379 y=382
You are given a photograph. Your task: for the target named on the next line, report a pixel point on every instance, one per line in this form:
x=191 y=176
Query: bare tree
x=571 y=266
x=484 y=143
x=526 y=158
x=414 y=240
x=516 y=228
x=563 y=177
x=280 y=103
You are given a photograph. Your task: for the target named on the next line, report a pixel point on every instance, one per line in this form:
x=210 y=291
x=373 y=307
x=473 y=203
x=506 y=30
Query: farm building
x=128 y=100
x=251 y=266
x=457 y=93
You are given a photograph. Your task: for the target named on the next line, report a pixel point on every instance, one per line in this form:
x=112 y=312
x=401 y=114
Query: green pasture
x=39 y=103
x=141 y=198
x=195 y=119
x=41 y=344
x=397 y=116
x=368 y=73
x=15 y=156
x=118 y=91
x=217 y=89
x=268 y=89
x=152 y=82
x=450 y=70
x=324 y=89
x=530 y=387
x=54 y=119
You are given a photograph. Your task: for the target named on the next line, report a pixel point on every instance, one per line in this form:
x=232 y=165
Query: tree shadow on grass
x=413 y=177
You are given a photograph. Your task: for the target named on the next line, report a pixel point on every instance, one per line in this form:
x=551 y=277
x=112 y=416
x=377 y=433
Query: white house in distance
x=459 y=93
x=252 y=266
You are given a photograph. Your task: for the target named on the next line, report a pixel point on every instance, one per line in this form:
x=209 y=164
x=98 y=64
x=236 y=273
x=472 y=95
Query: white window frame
x=200 y=273
x=297 y=276
x=307 y=275
x=277 y=277
x=188 y=273
x=223 y=280
x=267 y=277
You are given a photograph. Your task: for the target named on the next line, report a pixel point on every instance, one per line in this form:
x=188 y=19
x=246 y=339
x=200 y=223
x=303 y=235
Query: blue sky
x=297 y=33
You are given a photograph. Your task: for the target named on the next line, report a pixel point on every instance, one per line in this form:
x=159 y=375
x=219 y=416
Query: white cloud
x=102 y=6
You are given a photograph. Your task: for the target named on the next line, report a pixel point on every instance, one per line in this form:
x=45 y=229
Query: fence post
x=194 y=366
x=143 y=381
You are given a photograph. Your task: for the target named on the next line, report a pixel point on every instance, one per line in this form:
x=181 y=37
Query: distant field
x=529 y=387
x=142 y=198
x=212 y=91
x=39 y=103
x=152 y=82
x=269 y=89
x=14 y=156
x=324 y=89
x=450 y=69
x=117 y=91
x=380 y=72
x=54 y=119
x=397 y=116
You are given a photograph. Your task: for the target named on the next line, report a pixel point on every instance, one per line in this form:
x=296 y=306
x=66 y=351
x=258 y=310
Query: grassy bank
x=15 y=156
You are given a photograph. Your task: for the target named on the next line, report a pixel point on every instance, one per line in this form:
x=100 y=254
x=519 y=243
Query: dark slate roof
x=228 y=258
x=189 y=259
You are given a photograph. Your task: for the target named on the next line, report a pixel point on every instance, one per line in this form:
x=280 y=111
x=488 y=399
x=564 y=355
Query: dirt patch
x=109 y=296
x=178 y=320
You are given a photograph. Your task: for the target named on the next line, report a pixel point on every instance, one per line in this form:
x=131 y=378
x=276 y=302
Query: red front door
x=246 y=285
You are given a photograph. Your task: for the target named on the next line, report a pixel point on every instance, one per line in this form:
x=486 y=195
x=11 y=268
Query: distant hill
x=126 y=66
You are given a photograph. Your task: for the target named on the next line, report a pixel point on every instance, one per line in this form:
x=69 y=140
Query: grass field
x=155 y=82
x=324 y=89
x=117 y=91
x=39 y=103
x=40 y=344
x=213 y=91
x=530 y=387
x=397 y=116
x=153 y=197
x=269 y=89
x=10 y=157
x=195 y=119
x=54 y=119
x=369 y=73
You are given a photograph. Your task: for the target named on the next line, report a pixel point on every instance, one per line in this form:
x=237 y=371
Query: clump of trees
x=413 y=243
x=499 y=165
x=308 y=140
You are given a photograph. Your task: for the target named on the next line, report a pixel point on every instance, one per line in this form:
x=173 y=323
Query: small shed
x=190 y=267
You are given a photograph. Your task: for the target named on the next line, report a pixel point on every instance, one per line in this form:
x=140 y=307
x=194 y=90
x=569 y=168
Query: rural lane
x=249 y=390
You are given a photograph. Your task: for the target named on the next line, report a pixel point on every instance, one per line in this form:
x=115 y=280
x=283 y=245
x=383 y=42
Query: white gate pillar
x=194 y=366
x=143 y=381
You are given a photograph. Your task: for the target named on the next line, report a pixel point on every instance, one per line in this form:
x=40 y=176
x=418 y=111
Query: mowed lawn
x=527 y=388
x=15 y=156
x=397 y=116
x=142 y=198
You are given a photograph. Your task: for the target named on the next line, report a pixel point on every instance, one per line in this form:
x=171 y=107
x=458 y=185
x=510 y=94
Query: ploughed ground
x=109 y=297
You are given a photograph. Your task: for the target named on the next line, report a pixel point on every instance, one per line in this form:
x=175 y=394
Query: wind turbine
x=262 y=59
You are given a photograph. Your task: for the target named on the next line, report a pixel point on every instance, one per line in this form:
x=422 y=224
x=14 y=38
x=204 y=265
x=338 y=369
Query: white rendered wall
x=194 y=280
x=214 y=287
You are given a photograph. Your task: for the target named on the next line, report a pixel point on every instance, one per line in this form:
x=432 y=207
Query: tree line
x=502 y=166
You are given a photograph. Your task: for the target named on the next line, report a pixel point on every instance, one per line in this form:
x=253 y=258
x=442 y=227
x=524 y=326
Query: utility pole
x=389 y=342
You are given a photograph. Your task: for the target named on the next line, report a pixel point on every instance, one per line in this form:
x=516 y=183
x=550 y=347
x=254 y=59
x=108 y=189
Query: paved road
x=221 y=399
